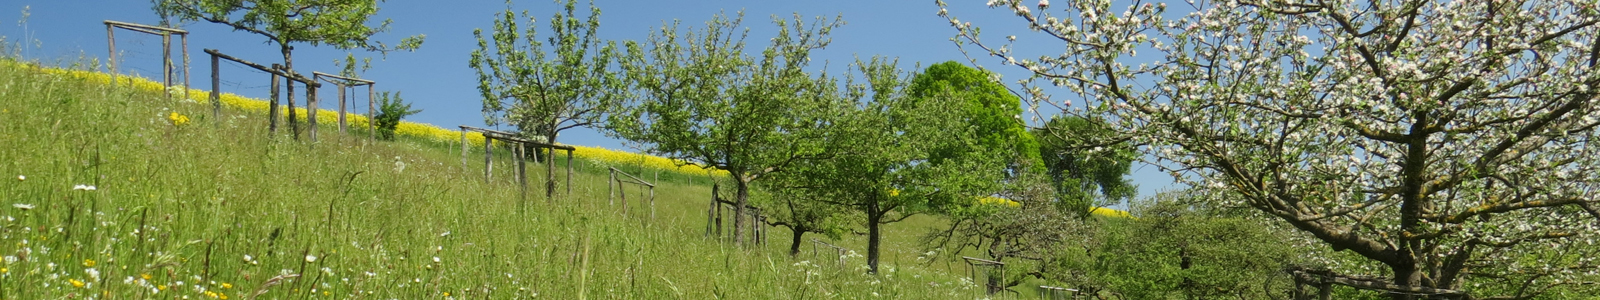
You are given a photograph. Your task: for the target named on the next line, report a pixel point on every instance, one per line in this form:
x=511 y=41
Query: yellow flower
x=447 y=294
x=227 y=285
x=75 y=282
x=161 y=287
x=146 y=276
x=212 y=294
x=88 y=263
x=177 y=119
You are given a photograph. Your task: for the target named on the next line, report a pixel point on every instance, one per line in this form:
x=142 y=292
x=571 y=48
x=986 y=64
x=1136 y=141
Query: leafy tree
x=799 y=209
x=390 y=110
x=1447 y=143
x=901 y=156
x=338 y=23
x=986 y=105
x=546 y=87
x=703 y=101
x=1085 y=172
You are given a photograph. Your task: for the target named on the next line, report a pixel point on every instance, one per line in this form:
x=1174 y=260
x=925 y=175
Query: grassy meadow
x=121 y=193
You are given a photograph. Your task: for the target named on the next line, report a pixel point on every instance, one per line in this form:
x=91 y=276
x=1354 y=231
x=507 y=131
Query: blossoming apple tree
x=1446 y=144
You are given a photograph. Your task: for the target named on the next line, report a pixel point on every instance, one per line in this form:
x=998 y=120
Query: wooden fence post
x=488 y=155
x=711 y=211
x=311 y=110
x=610 y=182
x=372 y=129
x=568 y=171
x=111 y=45
x=715 y=203
x=185 y=41
x=272 y=112
x=341 y=108
x=216 y=87
x=166 y=64
x=522 y=180
x=464 y=150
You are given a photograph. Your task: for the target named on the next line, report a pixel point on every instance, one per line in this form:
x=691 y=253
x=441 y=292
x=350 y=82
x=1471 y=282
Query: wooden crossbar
x=135 y=26
x=274 y=71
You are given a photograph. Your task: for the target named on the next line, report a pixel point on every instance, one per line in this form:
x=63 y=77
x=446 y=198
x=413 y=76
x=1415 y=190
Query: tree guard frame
x=758 y=234
x=352 y=83
x=166 y=51
x=277 y=71
x=1323 y=281
x=518 y=153
x=974 y=263
x=618 y=183
x=842 y=251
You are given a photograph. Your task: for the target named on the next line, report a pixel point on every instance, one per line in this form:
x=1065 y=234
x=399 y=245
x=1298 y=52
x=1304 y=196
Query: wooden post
x=272 y=112
x=288 y=96
x=718 y=205
x=623 y=192
x=464 y=150
x=111 y=45
x=610 y=190
x=522 y=177
x=488 y=155
x=372 y=130
x=185 y=41
x=653 y=196
x=568 y=171
x=216 y=88
x=166 y=64
x=710 y=211
x=341 y=108
x=311 y=110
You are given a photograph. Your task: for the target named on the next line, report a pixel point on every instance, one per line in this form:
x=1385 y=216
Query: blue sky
x=437 y=79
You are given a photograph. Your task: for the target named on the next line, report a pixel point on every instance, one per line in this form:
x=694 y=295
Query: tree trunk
x=742 y=192
x=874 y=235
x=794 y=244
x=1406 y=274
x=288 y=68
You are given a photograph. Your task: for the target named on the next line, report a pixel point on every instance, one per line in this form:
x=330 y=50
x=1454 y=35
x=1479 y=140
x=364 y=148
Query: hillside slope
x=122 y=193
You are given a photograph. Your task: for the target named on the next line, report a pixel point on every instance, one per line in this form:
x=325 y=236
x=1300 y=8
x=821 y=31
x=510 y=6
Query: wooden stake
x=272 y=112
x=111 y=45
x=569 y=171
x=341 y=108
x=185 y=40
x=372 y=130
x=166 y=64
x=216 y=87
x=311 y=111
x=464 y=150
x=488 y=155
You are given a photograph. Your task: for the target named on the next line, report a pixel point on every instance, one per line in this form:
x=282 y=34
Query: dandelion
x=22 y=206
x=177 y=119
x=83 y=187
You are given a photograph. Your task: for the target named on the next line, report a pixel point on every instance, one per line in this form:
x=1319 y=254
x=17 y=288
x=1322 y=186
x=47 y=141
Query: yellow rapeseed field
x=598 y=155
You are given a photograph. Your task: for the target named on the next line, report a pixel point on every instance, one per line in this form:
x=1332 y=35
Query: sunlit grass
x=107 y=194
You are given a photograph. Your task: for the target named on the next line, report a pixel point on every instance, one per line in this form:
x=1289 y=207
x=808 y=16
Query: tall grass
x=219 y=208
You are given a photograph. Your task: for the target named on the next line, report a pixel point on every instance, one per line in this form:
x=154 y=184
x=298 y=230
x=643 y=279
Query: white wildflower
x=22 y=206
x=83 y=187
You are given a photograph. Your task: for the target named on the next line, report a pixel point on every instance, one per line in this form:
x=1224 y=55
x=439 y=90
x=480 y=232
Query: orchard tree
x=987 y=105
x=545 y=87
x=703 y=101
x=1448 y=143
x=799 y=209
x=1086 y=171
x=901 y=156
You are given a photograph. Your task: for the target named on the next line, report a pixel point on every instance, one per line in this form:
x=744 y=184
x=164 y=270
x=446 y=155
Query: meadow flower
x=22 y=206
x=88 y=263
x=21 y=178
x=83 y=187
x=75 y=283
x=311 y=258
x=177 y=119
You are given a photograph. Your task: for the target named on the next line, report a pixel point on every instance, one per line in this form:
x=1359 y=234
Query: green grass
x=185 y=205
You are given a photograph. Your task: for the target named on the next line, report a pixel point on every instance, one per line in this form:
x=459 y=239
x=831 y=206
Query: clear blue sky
x=437 y=79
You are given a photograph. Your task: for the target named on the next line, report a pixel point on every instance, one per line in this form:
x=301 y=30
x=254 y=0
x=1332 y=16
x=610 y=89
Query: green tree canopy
x=545 y=87
x=1085 y=171
x=986 y=105
x=703 y=101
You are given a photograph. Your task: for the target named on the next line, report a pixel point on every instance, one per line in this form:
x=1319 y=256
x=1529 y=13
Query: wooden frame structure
x=974 y=263
x=351 y=83
x=272 y=112
x=518 y=153
x=1324 y=280
x=1056 y=292
x=842 y=251
x=166 y=51
x=758 y=234
x=616 y=183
